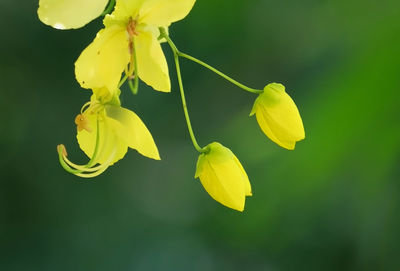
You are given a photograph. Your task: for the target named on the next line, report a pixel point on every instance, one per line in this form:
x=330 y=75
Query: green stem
x=182 y=92
x=109 y=8
x=233 y=81
x=189 y=125
x=252 y=90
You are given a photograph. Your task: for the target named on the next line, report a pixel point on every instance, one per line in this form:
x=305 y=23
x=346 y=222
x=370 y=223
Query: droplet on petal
x=59 y=26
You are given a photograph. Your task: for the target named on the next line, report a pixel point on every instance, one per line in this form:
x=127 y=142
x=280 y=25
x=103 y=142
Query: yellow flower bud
x=223 y=177
x=278 y=116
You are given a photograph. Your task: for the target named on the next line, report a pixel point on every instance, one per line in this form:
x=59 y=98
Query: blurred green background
x=332 y=204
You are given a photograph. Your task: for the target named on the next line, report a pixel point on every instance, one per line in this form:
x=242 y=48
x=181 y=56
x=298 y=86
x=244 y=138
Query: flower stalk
x=182 y=92
x=109 y=8
x=189 y=57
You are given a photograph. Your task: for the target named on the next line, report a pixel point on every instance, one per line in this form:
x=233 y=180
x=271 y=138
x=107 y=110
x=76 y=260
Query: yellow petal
x=103 y=61
x=246 y=181
x=223 y=177
x=278 y=116
x=133 y=131
x=67 y=14
x=108 y=139
x=152 y=65
x=279 y=137
x=164 y=12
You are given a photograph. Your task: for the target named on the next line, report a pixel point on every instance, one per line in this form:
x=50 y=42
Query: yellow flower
x=278 y=116
x=105 y=130
x=67 y=14
x=132 y=29
x=223 y=177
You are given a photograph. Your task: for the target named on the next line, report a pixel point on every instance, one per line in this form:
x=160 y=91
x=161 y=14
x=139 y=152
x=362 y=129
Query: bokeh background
x=332 y=204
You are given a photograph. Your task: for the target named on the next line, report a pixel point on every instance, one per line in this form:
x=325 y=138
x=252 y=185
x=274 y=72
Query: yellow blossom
x=105 y=130
x=278 y=116
x=67 y=14
x=223 y=177
x=132 y=29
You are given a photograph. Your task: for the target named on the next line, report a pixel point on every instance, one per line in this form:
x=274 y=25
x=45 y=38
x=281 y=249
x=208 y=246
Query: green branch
x=182 y=92
x=226 y=77
x=109 y=8
x=233 y=81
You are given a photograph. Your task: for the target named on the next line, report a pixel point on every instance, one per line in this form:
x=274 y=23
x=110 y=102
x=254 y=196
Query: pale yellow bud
x=278 y=116
x=223 y=177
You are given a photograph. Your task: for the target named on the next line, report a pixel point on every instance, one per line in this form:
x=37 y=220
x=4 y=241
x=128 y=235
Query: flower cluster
x=128 y=49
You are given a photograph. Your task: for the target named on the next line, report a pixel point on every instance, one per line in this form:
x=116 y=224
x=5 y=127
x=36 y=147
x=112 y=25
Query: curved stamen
x=85 y=106
x=82 y=170
x=97 y=173
x=93 y=172
x=61 y=151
